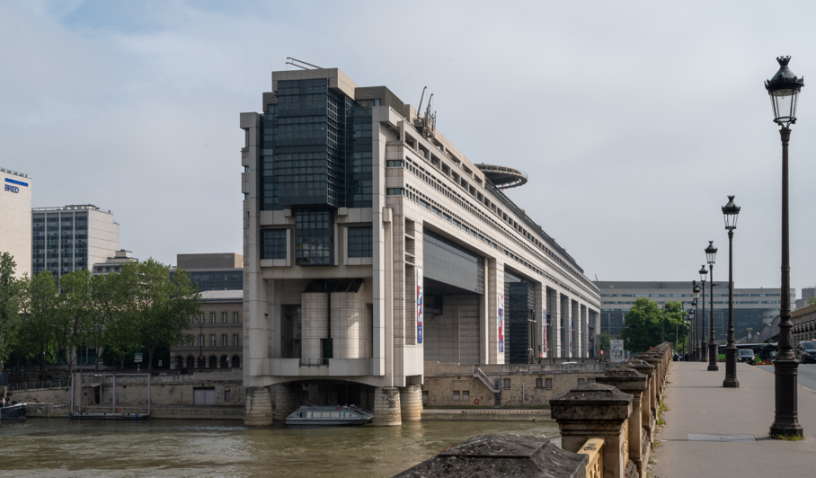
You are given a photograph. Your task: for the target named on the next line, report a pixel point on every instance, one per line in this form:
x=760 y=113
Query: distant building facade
x=114 y=264
x=216 y=271
x=753 y=307
x=218 y=332
x=71 y=238
x=15 y=218
x=807 y=293
x=804 y=324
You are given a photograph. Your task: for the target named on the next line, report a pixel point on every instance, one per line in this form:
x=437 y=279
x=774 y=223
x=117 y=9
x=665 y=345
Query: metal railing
x=39 y=384
x=477 y=373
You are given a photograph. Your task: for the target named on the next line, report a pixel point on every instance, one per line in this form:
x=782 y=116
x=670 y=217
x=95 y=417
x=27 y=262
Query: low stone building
x=529 y=385
x=804 y=324
x=218 y=332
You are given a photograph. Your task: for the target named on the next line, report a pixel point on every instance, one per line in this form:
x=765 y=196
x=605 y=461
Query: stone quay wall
x=533 y=385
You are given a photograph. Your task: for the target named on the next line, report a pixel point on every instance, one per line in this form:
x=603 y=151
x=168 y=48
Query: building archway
x=179 y=362
x=236 y=361
x=190 y=362
x=224 y=361
x=213 y=361
x=202 y=363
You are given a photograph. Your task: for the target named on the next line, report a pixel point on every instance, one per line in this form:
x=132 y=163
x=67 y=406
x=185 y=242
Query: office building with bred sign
x=373 y=246
x=15 y=219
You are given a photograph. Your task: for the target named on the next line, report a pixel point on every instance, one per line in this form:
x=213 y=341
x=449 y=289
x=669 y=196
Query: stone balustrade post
x=647 y=419
x=596 y=410
x=629 y=380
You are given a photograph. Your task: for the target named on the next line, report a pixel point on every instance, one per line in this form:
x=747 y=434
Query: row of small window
x=213 y=320
x=224 y=341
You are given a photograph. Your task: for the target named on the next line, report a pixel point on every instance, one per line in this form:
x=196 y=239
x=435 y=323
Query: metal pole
x=703 y=346
x=731 y=349
x=713 y=355
x=786 y=415
x=696 y=331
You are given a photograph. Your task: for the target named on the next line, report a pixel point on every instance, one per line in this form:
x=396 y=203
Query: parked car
x=745 y=355
x=806 y=352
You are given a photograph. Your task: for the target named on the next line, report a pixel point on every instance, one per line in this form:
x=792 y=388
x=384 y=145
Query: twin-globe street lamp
x=711 y=254
x=696 y=344
x=784 y=90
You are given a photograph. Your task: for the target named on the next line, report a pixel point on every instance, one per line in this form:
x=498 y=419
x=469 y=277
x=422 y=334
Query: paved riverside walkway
x=698 y=404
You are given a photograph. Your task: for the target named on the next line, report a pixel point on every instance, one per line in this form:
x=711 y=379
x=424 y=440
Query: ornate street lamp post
x=784 y=90
x=730 y=213
x=711 y=254
x=703 y=345
x=696 y=344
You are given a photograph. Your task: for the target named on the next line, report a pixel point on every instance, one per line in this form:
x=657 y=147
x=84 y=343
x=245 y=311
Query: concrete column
x=410 y=398
x=577 y=333
x=596 y=410
x=628 y=380
x=555 y=323
x=566 y=350
x=387 y=412
x=286 y=400
x=258 y=408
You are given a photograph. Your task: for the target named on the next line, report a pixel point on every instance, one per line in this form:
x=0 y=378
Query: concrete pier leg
x=411 y=403
x=387 y=407
x=286 y=400
x=258 y=410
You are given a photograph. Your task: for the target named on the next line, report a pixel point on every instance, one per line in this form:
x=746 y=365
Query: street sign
x=137 y=358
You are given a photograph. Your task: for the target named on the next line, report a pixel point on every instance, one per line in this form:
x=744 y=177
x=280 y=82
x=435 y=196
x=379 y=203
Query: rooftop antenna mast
x=292 y=61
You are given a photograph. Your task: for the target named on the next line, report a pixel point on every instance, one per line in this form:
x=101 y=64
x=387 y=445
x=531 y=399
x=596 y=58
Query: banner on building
x=570 y=337
x=544 y=330
x=616 y=354
x=420 y=312
x=501 y=323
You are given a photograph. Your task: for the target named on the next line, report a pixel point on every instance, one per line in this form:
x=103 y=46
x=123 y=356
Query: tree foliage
x=9 y=306
x=161 y=304
x=38 y=309
x=646 y=325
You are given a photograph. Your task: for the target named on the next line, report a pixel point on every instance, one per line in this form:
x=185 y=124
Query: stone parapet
x=630 y=381
x=596 y=411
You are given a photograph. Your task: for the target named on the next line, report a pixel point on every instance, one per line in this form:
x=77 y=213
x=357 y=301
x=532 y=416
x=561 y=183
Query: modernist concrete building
x=373 y=245
x=213 y=271
x=69 y=238
x=15 y=219
x=218 y=331
x=753 y=307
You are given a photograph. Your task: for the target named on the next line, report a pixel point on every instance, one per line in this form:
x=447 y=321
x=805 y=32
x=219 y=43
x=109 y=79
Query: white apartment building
x=15 y=218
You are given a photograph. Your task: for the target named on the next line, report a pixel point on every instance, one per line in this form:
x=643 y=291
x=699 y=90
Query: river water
x=178 y=448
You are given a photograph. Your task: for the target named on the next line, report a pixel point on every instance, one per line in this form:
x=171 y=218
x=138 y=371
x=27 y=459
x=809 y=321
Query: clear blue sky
x=633 y=119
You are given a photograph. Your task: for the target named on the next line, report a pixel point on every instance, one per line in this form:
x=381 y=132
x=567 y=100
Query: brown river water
x=180 y=448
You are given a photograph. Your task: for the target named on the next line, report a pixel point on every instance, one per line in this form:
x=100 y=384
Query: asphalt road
x=807 y=374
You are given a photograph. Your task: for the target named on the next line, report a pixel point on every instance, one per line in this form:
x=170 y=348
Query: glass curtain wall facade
x=450 y=264
x=519 y=306
x=316 y=148
x=59 y=242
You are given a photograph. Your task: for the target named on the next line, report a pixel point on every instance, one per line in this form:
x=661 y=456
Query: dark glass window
x=314 y=237
x=360 y=242
x=273 y=244
x=217 y=280
x=451 y=264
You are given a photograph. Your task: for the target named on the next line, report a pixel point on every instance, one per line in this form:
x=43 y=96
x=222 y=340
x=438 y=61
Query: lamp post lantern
x=703 y=346
x=784 y=90
x=730 y=213
x=711 y=254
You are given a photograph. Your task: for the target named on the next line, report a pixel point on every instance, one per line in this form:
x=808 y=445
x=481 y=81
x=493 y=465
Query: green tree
x=75 y=313
x=38 y=306
x=9 y=306
x=812 y=300
x=114 y=325
x=161 y=304
x=647 y=325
